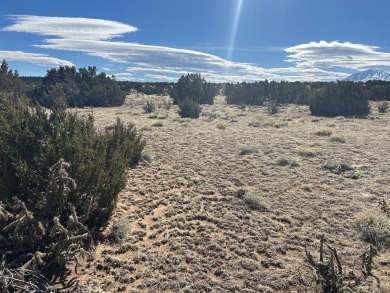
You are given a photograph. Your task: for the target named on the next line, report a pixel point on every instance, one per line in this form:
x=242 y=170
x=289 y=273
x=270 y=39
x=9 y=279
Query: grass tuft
x=324 y=132
x=374 y=226
x=255 y=201
x=339 y=139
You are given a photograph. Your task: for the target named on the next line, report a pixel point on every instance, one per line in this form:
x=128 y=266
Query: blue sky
x=225 y=40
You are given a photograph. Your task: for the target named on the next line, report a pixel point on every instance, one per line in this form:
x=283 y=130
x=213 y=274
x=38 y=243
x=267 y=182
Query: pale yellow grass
x=190 y=227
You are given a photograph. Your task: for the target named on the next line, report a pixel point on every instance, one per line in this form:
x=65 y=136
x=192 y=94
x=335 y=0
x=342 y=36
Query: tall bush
x=80 y=89
x=194 y=87
x=339 y=99
x=33 y=139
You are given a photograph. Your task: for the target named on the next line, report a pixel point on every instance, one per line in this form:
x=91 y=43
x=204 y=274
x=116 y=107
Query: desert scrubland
x=227 y=202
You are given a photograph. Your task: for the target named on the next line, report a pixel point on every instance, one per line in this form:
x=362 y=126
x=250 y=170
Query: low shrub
x=147 y=156
x=307 y=151
x=149 y=107
x=324 y=132
x=255 y=124
x=189 y=109
x=374 y=226
x=221 y=125
x=246 y=150
x=255 y=201
x=272 y=107
x=119 y=230
x=383 y=107
x=158 y=124
x=331 y=275
x=339 y=139
x=337 y=167
x=288 y=162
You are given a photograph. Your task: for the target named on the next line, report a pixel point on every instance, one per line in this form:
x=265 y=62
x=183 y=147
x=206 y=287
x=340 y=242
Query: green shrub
x=189 y=109
x=33 y=139
x=341 y=99
x=80 y=89
x=10 y=81
x=48 y=239
x=193 y=87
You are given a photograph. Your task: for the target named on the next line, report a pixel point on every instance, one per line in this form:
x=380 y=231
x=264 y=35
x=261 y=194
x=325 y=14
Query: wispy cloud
x=69 y=27
x=337 y=54
x=38 y=59
x=98 y=37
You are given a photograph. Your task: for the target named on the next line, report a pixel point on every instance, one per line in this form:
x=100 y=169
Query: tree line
x=86 y=87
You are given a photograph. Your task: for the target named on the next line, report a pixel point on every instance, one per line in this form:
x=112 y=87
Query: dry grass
x=339 y=139
x=324 y=132
x=374 y=226
x=307 y=151
x=191 y=229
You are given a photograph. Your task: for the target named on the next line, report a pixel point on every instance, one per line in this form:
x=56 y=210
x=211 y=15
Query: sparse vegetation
x=332 y=277
x=272 y=107
x=288 y=162
x=221 y=125
x=374 y=226
x=246 y=150
x=383 y=107
x=149 y=107
x=255 y=124
x=119 y=231
x=201 y=217
x=255 y=201
x=307 y=151
x=147 y=156
x=339 y=139
x=189 y=109
x=337 y=168
x=324 y=132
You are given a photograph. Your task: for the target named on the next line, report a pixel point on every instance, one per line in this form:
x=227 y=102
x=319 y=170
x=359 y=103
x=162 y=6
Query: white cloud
x=313 y=61
x=161 y=77
x=38 y=59
x=337 y=54
x=69 y=27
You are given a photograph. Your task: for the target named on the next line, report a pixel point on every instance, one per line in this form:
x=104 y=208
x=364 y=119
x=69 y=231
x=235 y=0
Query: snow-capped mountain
x=369 y=75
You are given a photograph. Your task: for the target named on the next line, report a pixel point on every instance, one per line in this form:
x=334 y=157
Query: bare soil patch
x=190 y=228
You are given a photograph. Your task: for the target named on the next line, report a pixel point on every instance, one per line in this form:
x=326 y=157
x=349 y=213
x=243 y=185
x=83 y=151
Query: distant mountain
x=369 y=75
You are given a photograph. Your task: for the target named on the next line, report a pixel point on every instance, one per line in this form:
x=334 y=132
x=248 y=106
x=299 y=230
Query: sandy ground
x=189 y=228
